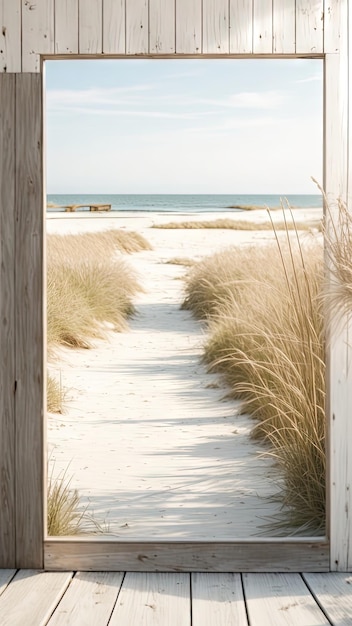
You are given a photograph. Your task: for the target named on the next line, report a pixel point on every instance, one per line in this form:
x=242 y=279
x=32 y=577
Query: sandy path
x=150 y=441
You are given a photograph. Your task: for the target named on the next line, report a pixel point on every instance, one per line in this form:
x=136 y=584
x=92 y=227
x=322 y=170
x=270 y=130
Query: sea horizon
x=186 y=202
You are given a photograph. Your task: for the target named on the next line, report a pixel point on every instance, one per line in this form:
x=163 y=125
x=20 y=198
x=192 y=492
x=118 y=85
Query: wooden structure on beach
x=71 y=208
x=30 y=34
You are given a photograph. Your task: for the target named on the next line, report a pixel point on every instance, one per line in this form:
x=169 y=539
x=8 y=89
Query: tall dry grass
x=266 y=324
x=89 y=287
x=65 y=513
x=54 y=394
x=229 y=224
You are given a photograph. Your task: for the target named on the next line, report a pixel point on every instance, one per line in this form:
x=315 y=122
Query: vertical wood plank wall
x=135 y=27
x=7 y=319
x=338 y=109
x=29 y=214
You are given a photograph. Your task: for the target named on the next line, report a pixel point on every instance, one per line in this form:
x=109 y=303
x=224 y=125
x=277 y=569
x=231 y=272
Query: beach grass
x=180 y=260
x=65 y=514
x=253 y=207
x=55 y=395
x=89 y=288
x=266 y=337
x=230 y=224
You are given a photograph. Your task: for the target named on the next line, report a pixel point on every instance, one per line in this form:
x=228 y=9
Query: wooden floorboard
x=33 y=598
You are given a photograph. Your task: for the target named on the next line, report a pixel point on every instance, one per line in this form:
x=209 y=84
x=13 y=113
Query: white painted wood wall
x=32 y=30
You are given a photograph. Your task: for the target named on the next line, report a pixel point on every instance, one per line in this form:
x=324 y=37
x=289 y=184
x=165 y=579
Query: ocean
x=183 y=203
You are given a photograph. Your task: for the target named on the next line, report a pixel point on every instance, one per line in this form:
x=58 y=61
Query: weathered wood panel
x=237 y=556
x=309 y=26
x=7 y=319
x=32 y=597
x=276 y=599
x=10 y=36
x=339 y=354
x=188 y=26
x=217 y=600
x=153 y=600
x=137 y=27
x=90 y=24
x=66 y=26
x=241 y=27
x=29 y=211
x=334 y=593
x=89 y=601
x=332 y=24
x=37 y=32
x=262 y=26
x=162 y=26
x=284 y=26
x=216 y=27
x=114 y=40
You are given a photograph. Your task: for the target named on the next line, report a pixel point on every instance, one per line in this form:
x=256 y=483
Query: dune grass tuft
x=264 y=310
x=89 y=288
x=253 y=207
x=180 y=260
x=65 y=513
x=55 y=395
x=228 y=224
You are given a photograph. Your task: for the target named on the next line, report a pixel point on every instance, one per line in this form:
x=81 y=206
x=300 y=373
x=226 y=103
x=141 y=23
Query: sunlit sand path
x=149 y=440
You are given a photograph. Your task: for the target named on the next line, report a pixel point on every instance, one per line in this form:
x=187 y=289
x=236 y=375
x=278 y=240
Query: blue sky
x=184 y=126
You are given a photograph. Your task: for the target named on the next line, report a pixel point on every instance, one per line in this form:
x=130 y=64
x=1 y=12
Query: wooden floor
x=34 y=598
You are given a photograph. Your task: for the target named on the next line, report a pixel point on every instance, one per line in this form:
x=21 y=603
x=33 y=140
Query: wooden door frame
x=23 y=441
x=278 y=554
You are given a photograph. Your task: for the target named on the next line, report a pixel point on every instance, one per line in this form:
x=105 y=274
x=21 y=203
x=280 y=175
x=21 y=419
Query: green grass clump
x=266 y=323
x=89 y=286
x=228 y=224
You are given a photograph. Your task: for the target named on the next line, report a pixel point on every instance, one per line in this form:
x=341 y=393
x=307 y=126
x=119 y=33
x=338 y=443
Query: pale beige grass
x=267 y=338
x=230 y=224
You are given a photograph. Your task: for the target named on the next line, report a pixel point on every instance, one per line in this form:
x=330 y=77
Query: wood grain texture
x=29 y=322
x=309 y=26
x=217 y=599
x=333 y=592
x=37 y=32
x=90 y=25
x=188 y=26
x=32 y=597
x=153 y=600
x=162 y=31
x=216 y=34
x=262 y=26
x=241 y=556
x=6 y=575
x=10 y=36
x=241 y=27
x=338 y=358
x=284 y=26
x=137 y=27
x=277 y=599
x=66 y=26
x=114 y=40
x=7 y=319
x=89 y=600
x=333 y=12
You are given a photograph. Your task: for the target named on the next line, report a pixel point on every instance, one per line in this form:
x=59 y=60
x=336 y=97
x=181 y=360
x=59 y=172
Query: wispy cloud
x=310 y=79
x=140 y=97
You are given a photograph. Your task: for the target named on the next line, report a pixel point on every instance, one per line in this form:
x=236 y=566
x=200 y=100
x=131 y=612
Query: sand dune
x=150 y=442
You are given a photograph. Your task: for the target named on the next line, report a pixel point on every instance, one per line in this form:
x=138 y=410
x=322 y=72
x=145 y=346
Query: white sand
x=147 y=436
